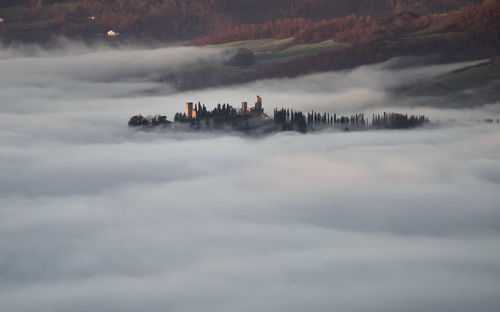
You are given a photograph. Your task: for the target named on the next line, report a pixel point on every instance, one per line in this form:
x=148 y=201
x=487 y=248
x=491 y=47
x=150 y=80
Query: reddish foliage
x=247 y=19
x=480 y=19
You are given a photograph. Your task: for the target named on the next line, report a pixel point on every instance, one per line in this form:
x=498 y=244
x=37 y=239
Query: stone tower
x=258 y=105
x=189 y=110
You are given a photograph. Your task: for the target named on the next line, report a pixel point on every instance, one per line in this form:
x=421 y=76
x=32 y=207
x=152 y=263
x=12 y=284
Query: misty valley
x=192 y=211
x=234 y=156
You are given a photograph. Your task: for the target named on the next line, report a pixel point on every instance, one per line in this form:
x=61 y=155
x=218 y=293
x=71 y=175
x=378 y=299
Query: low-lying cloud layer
x=98 y=217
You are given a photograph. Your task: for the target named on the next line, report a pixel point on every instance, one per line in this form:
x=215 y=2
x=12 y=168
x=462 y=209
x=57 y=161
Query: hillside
x=271 y=39
x=167 y=20
x=471 y=86
x=283 y=49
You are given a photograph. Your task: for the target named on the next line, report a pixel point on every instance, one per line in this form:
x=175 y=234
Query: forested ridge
x=189 y=19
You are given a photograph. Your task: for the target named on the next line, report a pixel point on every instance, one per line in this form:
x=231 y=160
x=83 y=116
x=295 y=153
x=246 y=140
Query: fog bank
x=98 y=217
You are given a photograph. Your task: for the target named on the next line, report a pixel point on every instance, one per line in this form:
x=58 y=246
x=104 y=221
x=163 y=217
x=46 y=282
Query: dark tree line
x=397 y=121
x=491 y=120
x=288 y=119
x=149 y=121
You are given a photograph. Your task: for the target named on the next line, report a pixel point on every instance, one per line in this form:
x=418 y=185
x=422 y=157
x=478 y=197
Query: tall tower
x=189 y=110
x=244 y=107
x=258 y=105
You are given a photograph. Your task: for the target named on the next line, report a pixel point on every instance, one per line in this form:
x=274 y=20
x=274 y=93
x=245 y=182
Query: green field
x=297 y=51
x=275 y=51
x=259 y=45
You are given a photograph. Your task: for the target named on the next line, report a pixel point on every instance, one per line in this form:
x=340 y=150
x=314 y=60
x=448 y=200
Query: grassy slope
x=268 y=52
x=470 y=86
x=275 y=51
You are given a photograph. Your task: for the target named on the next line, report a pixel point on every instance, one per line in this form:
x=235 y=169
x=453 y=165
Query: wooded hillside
x=188 y=19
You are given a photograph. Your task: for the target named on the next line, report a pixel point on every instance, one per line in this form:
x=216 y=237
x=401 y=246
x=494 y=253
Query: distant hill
x=168 y=20
x=278 y=38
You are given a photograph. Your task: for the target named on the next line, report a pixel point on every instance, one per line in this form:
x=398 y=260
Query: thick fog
x=95 y=216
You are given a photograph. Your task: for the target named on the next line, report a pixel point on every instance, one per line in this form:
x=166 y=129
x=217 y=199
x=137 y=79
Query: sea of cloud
x=95 y=216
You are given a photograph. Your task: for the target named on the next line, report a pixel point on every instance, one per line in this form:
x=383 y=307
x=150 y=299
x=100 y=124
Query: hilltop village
x=253 y=119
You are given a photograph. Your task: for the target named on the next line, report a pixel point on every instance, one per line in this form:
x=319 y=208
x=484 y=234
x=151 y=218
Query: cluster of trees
x=288 y=119
x=220 y=116
x=149 y=121
x=296 y=120
x=397 y=121
x=491 y=120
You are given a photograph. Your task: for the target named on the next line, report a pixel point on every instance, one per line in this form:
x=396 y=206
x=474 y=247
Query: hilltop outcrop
x=253 y=120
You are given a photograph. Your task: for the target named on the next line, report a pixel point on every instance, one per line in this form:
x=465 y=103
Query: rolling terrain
x=470 y=86
x=280 y=39
x=168 y=20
